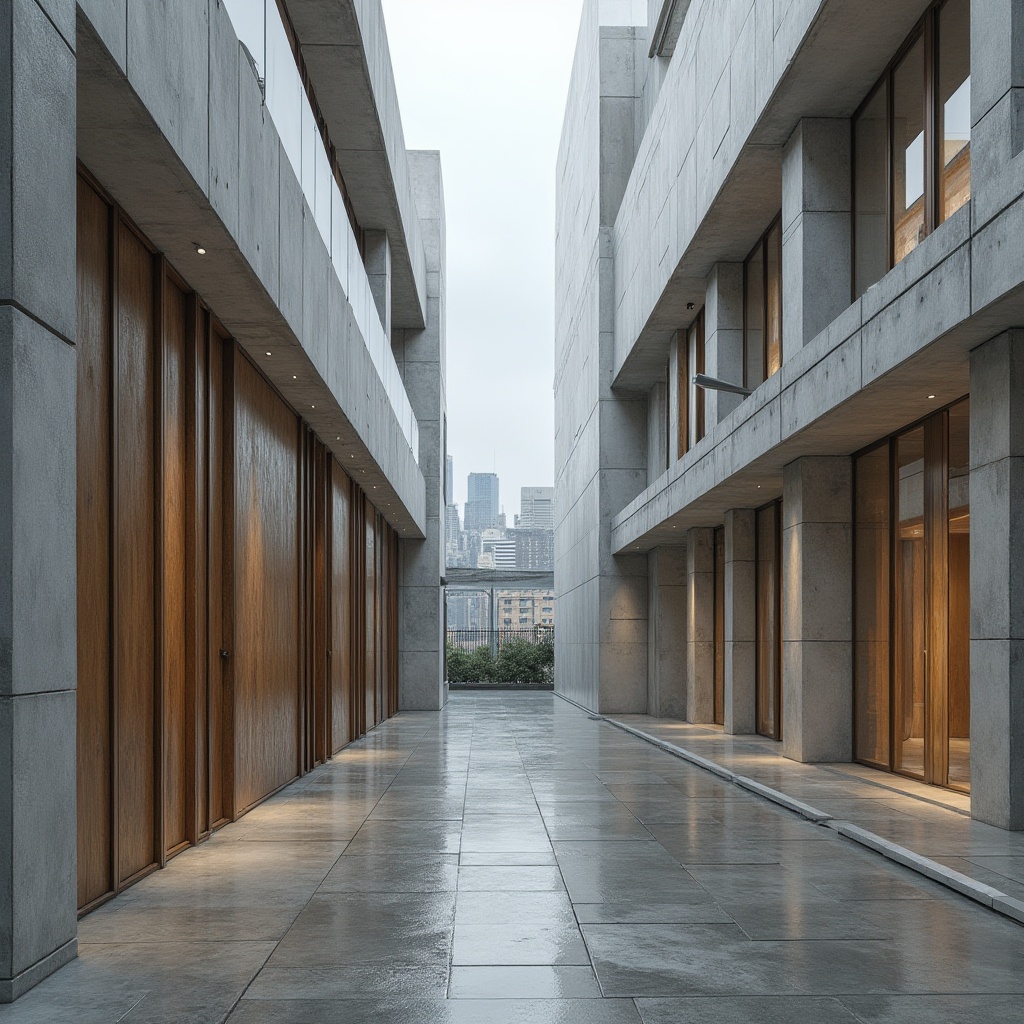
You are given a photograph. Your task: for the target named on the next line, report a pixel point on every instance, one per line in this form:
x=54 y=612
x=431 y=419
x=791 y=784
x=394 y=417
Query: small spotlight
x=312 y=407
x=931 y=396
x=200 y=250
x=295 y=376
x=270 y=353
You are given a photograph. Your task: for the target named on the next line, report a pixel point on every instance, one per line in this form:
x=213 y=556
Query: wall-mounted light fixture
x=702 y=380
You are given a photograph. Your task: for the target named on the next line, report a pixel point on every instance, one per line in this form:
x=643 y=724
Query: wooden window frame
x=690 y=397
x=761 y=246
x=926 y=29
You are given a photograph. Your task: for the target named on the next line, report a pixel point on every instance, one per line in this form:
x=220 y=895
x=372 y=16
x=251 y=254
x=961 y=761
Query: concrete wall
x=38 y=600
x=600 y=437
x=421 y=355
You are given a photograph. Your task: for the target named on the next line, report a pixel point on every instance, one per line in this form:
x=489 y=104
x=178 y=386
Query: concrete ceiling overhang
x=344 y=47
x=848 y=45
x=119 y=142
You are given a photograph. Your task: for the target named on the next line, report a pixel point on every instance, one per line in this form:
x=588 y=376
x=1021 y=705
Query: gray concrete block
x=38 y=848
x=38 y=604
x=37 y=157
x=223 y=115
x=316 y=269
x=109 y=19
x=173 y=80
x=420 y=684
x=293 y=211
x=817 y=700
x=817 y=595
x=818 y=489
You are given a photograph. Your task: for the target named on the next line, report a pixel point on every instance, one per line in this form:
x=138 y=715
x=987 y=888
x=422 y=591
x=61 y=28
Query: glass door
x=912 y=602
x=769 y=634
x=720 y=626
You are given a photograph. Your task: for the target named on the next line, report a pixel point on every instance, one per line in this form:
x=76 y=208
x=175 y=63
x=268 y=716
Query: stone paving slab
x=512 y=860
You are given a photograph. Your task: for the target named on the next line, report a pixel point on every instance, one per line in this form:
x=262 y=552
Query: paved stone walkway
x=512 y=860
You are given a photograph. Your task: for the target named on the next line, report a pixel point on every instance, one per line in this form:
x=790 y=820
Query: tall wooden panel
x=135 y=512
x=267 y=678
x=370 y=622
x=95 y=480
x=341 y=609
x=220 y=592
x=177 y=722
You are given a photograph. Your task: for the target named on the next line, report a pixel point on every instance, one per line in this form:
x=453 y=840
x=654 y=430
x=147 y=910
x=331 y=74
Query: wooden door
x=370 y=621
x=267 y=670
x=96 y=698
x=342 y=717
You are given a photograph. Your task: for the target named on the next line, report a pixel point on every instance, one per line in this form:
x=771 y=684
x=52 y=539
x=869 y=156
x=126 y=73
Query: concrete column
x=817 y=610
x=740 y=622
x=723 y=336
x=700 y=631
x=816 y=203
x=657 y=431
x=421 y=683
x=997 y=581
x=378 y=270
x=997 y=87
x=38 y=600
x=666 y=644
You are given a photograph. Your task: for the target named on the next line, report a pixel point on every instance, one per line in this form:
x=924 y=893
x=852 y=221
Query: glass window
x=773 y=299
x=871 y=614
x=908 y=146
x=769 y=633
x=248 y=19
x=284 y=92
x=753 y=318
x=954 y=71
x=695 y=365
x=959 y=663
x=870 y=170
x=909 y=661
x=912 y=143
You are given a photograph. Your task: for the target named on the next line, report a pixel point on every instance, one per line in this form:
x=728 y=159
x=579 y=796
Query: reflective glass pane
x=768 y=625
x=695 y=365
x=871 y=612
x=284 y=90
x=871 y=242
x=908 y=142
x=954 y=68
x=773 y=300
x=247 y=17
x=959 y=596
x=753 y=317
x=909 y=637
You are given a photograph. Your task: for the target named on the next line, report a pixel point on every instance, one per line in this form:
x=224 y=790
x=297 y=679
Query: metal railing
x=470 y=639
x=497 y=658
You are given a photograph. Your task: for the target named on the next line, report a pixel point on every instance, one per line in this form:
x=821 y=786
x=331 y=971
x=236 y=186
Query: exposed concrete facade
x=161 y=104
x=743 y=112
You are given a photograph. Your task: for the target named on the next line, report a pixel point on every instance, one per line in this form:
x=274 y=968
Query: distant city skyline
x=497 y=122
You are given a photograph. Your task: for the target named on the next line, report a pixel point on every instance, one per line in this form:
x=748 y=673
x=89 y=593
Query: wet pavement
x=513 y=860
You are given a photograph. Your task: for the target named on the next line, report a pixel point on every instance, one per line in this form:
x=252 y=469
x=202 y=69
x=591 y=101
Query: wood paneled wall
x=237 y=593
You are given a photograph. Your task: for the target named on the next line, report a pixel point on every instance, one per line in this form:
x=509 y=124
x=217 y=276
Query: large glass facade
x=912 y=607
x=912 y=143
x=768 y=595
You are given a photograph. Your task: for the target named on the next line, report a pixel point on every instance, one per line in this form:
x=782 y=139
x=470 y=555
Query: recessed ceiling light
x=200 y=250
x=270 y=353
x=312 y=407
x=295 y=376
x=931 y=396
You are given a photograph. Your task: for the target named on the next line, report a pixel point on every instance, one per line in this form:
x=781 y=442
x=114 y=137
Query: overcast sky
x=485 y=82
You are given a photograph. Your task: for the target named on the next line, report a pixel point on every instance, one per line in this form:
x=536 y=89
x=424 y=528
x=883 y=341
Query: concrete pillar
x=666 y=644
x=700 y=631
x=816 y=203
x=740 y=622
x=817 y=610
x=38 y=600
x=378 y=271
x=997 y=87
x=657 y=431
x=723 y=337
x=997 y=581
x=421 y=355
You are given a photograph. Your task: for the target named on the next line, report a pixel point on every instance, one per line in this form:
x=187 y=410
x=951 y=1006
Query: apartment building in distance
x=222 y=288
x=790 y=379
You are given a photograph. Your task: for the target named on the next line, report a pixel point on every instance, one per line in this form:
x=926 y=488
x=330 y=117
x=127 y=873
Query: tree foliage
x=518 y=661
